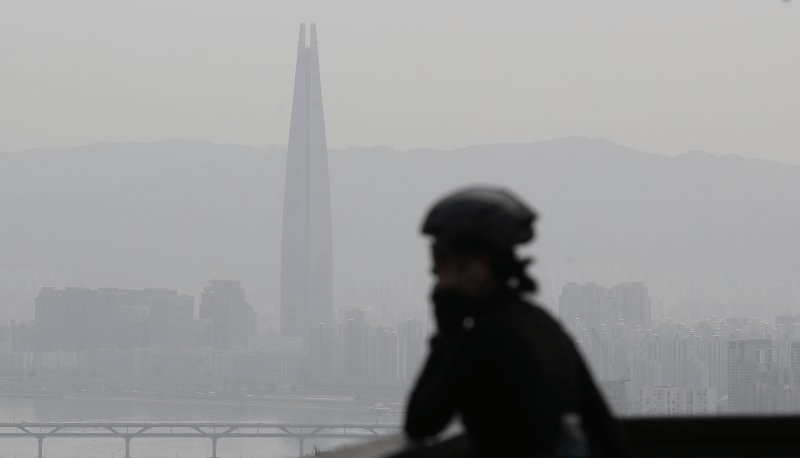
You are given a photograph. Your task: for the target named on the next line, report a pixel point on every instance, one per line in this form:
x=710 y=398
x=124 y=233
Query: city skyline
x=139 y=338
x=175 y=183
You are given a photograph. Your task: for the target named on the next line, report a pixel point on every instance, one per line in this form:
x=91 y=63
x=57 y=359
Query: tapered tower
x=306 y=258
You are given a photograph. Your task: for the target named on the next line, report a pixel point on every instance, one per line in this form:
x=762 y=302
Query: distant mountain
x=699 y=228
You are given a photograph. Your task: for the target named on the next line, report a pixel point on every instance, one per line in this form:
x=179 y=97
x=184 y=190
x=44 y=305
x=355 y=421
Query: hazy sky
x=664 y=76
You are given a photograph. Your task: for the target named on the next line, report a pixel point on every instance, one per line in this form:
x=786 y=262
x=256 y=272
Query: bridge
x=182 y=430
x=656 y=437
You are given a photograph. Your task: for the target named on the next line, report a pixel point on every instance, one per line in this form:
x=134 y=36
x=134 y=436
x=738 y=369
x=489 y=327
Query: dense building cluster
x=720 y=365
x=154 y=336
x=80 y=320
x=356 y=352
x=158 y=337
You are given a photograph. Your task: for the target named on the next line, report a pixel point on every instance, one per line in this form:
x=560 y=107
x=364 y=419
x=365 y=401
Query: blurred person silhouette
x=498 y=361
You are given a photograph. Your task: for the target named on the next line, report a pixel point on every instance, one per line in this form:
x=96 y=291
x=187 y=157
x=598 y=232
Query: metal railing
x=650 y=437
x=183 y=430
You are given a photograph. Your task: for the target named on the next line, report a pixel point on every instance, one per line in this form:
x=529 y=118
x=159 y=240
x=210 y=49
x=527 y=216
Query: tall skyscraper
x=306 y=259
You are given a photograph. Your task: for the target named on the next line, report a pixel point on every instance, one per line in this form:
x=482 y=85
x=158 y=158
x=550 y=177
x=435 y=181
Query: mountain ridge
x=274 y=148
x=177 y=213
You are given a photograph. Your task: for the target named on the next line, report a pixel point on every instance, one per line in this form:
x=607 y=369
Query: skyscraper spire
x=302 y=42
x=306 y=255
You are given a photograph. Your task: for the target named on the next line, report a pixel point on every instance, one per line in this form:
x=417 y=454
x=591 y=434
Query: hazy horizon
x=666 y=78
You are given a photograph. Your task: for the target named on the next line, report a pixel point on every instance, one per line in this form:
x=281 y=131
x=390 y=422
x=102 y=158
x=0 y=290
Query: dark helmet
x=481 y=215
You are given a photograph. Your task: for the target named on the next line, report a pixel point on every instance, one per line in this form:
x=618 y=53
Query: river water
x=283 y=410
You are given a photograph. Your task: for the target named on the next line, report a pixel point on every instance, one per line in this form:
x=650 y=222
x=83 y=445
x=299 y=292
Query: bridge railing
x=212 y=431
x=651 y=437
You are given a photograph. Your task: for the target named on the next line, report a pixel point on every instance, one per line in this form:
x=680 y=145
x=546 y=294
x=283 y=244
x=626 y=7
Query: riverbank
x=292 y=402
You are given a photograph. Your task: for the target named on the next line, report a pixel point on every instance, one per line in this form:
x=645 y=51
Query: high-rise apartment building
x=352 y=347
x=590 y=306
x=321 y=347
x=634 y=304
x=413 y=348
x=230 y=318
x=752 y=376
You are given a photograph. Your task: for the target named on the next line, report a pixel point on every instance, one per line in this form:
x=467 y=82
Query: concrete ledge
x=723 y=436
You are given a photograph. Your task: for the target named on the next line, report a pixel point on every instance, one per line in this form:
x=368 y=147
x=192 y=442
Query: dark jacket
x=510 y=377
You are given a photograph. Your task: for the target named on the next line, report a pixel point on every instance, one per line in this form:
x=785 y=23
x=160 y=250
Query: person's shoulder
x=513 y=311
x=536 y=310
